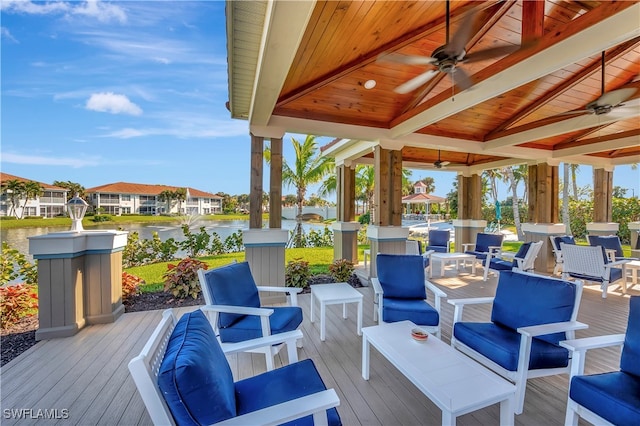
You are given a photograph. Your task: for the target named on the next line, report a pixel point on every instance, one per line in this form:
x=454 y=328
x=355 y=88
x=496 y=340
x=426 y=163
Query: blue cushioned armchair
x=530 y=315
x=557 y=250
x=524 y=260
x=400 y=292
x=439 y=240
x=610 y=242
x=183 y=377
x=233 y=307
x=613 y=397
x=485 y=243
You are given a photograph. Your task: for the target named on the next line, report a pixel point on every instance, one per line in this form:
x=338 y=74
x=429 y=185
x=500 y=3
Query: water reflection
x=18 y=238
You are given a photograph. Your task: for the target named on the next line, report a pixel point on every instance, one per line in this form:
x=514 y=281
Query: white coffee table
x=445 y=258
x=451 y=380
x=333 y=294
x=633 y=267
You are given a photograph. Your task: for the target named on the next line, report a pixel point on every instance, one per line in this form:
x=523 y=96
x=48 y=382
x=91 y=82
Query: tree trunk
x=565 y=198
x=514 y=201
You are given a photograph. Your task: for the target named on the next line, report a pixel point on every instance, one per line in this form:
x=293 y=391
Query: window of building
x=125 y=197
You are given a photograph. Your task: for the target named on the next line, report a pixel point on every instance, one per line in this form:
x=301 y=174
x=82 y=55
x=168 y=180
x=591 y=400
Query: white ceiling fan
x=439 y=164
x=608 y=101
x=446 y=58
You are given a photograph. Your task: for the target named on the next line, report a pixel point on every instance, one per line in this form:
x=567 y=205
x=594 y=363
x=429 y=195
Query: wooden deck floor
x=85 y=381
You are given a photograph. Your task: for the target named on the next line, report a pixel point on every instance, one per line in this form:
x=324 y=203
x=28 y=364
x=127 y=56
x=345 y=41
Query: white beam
x=590 y=148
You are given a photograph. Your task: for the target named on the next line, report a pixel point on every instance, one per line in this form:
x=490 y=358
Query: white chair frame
x=522 y=374
x=495 y=251
x=557 y=254
x=378 y=294
x=525 y=264
x=588 y=260
x=144 y=370
x=579 y=348
x=212 y=311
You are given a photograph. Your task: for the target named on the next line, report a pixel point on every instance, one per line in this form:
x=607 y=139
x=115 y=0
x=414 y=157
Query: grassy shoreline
x=88 y=223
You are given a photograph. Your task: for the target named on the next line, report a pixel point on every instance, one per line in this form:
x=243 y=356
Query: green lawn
x=319 y=260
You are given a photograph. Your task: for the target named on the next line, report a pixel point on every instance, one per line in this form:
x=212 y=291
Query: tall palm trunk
x=514 y=201
x=565 y=198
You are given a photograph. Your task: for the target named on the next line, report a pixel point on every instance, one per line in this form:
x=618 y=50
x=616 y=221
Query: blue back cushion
x=483 y=241
x=401 y=275
x=194 y=377
x=232 y=285
x=611 y=242
x=630 y=360
x=438 y=237
x=567 y=239
x=523 y=299
x=522 y=252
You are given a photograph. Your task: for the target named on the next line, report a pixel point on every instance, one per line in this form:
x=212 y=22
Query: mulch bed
x=17 y=339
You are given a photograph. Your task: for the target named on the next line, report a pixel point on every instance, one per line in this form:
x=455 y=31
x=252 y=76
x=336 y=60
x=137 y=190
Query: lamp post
x=77 y=207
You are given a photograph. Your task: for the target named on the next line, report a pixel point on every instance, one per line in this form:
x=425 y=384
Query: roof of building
x=422 y=198
x=4 y=177
x=144 y=189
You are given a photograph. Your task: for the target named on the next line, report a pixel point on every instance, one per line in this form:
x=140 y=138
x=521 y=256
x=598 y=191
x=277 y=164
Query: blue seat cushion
x=501 y=265
x=281 y=385
x=484 y=241
x=567 y=239
x=233 y=285
x=614 y=275
x=630 y=359
x=437 y=249
x=439 y=240
x=415 y=310
x=283 y=319
x=613 y=396
x=523 y=299
x=194 y=376
x=401 y=275
x=478 y=254
x=502 y=346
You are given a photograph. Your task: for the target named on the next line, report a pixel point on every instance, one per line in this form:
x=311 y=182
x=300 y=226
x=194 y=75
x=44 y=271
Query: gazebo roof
x=422 y=198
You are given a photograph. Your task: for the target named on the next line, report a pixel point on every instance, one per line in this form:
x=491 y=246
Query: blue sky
x=98 y=92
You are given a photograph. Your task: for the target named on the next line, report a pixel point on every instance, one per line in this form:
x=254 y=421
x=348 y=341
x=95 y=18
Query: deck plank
x=88 y=375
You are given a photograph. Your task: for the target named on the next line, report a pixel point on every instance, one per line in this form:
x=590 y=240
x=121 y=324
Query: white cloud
x=103 y=12
x=5 y=34
x=22 y=6
x=50 y=161
x=196 y=129
x=113 y=103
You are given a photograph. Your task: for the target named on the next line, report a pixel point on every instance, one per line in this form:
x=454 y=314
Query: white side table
x=445 y=258
x=333 y=294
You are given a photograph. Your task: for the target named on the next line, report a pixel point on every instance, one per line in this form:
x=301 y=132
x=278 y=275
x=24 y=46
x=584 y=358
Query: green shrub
x=101 y=218
x=341 y=270
x=182 y=279
x=365 y=219
x=17 y=301
x=14 y=265
x=297 y=273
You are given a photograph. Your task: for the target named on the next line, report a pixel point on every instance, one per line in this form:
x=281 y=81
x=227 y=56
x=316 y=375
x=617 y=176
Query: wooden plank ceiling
x=527 y=104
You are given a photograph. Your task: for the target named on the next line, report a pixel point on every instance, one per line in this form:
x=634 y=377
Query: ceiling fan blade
x=616 y=97
x=406 y=59
x=458 y=42
x=461 y=79
x=577 y=112
x=445 y=163
x=492 y=52
x=415 y=82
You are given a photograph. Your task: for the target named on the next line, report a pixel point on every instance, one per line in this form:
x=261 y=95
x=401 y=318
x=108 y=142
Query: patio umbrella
x=498 y=214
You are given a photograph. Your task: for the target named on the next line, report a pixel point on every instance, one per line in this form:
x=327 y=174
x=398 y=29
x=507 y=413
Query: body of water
x=18 y=238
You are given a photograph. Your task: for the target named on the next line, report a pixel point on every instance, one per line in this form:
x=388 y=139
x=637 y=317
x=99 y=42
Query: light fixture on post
x=77 y=207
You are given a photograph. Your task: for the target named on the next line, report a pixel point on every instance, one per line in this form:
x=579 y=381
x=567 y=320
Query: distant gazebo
x=421 y=199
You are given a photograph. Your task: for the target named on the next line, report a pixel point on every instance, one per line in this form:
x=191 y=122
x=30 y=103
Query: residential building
x=137 y=198
x=51 y=203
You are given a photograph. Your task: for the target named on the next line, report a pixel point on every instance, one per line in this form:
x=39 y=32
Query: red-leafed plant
x=182 y=279
x=130 y=285
x=17 y=301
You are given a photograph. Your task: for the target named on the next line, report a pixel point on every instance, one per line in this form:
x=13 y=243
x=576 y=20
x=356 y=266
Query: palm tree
x=365 y=185
x=574 y=171
x=73 y=187
x=15 y=191
x=180 y=195
x=513 y=186
x=309 y=168
x=167 y=196
x=32 y=190
x=566 y=169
